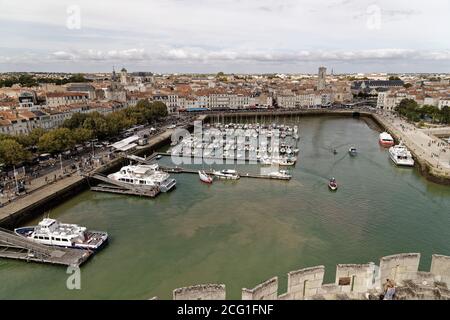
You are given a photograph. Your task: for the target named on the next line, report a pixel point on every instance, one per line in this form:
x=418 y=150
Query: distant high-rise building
x=321 y=82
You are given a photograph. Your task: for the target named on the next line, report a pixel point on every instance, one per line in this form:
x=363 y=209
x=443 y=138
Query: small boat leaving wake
x=332 y=184
x=205 y=177
x=352 y=151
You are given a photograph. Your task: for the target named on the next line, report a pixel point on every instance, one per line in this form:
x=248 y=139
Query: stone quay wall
x=352 y=281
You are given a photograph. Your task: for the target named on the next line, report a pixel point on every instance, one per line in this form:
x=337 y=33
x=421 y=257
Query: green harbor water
x=242 y=233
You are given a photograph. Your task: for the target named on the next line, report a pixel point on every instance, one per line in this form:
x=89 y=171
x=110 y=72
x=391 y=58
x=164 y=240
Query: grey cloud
x=400 y=13
x=200 y=55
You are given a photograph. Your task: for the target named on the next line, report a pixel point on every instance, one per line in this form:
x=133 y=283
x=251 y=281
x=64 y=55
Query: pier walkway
x=424 y=145
x=38 y=195
x=42 y=190
x=13 y=246
x=211 y=172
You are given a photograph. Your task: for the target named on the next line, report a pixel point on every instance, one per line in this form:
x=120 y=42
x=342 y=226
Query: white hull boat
x=205 y=177
x=53 y=233
x=401 y=156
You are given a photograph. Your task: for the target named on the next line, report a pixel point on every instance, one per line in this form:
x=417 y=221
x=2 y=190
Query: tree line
x=410 y=109
x=80 y=128
x=27 y=80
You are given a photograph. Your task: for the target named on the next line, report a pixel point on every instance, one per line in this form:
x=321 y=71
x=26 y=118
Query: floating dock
x=13 y=246
x=234 y=158
x=150 y=160
x=211 y=172
x=113 y=186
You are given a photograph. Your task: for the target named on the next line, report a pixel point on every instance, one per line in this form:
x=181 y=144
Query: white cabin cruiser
x=145 y=176
x=53 y=233
x=227 y=174
x=282 y=174
x=401 y=156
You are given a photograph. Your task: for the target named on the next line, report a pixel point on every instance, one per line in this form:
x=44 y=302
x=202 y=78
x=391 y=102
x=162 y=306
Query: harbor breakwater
x=352 y=281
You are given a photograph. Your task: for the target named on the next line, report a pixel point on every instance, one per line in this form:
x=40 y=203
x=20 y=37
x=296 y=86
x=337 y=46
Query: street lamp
x=60 y=162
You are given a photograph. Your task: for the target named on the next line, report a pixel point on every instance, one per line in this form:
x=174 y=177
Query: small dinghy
x=332 y=184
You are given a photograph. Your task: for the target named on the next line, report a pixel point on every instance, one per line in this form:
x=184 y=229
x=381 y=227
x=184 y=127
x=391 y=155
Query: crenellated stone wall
x=399 y=267
x=353 y=281
x=305 y=282
x=201 y=292
x=267 y=290
x=355 y=278
x=440 y=266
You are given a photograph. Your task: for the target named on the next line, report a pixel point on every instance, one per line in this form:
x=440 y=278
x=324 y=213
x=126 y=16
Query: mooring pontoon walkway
x=13 y=246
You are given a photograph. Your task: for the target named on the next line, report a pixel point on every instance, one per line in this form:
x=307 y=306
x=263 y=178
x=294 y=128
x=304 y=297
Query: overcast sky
x=247 y=36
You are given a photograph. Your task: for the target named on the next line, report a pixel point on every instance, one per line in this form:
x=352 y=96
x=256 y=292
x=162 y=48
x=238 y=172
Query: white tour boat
x=282 y=174
x=145 y=176
x=401 y=156
x=385 y=139
x=227 y=174
x=53 y=233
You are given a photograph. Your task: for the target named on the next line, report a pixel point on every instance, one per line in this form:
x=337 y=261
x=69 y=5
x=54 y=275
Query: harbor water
x=243 y=232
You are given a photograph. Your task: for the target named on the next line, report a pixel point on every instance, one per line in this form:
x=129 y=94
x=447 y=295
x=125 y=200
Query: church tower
x=123 y=76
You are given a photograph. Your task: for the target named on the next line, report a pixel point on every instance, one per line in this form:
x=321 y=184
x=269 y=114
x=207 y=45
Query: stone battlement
x=352 y=281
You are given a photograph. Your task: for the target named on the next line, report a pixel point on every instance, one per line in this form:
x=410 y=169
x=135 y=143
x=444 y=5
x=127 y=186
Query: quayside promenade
x=353 y=281
x=432 y=153
x=46 y=191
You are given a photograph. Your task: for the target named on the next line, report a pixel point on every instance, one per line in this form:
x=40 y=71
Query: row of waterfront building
x=48 y=105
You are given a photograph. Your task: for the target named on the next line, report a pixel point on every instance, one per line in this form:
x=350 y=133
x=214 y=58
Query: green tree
x=159 y=110
x=430 y=111
x=97 y=124
x=394 y=78
x=117 y=121
x=409 y=108
x=445 y=115
x=56 y=141
x=81 y=135
x=12 y=152
x=31 y=139
x=75 y=121
x=78 y=78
